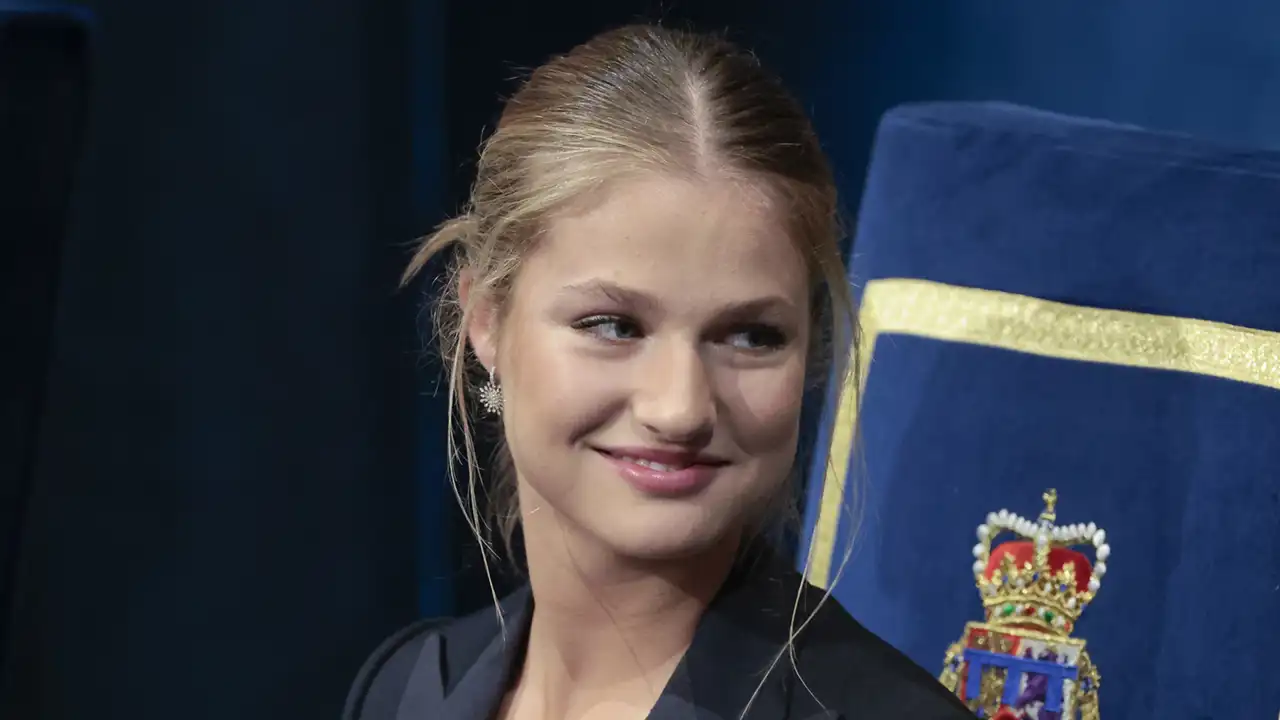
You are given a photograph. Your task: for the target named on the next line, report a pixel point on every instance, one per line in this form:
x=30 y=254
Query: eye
x=757 y=338
x=610 y=328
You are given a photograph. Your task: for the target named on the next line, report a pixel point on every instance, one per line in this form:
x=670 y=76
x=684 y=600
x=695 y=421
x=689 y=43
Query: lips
x=663 y=472
x=662 y=460
x=653 y=465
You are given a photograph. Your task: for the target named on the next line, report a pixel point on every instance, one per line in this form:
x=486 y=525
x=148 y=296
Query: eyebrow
x=632 y=298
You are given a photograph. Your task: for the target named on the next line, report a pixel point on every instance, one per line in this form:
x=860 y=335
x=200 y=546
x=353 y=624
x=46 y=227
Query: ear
x=481 y=320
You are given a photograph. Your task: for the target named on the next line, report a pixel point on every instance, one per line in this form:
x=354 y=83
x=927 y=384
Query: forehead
x=708 y=238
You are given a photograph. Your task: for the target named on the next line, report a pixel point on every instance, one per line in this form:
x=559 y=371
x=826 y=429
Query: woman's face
x=652 y=358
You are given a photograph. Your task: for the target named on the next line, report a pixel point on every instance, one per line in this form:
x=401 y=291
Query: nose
x=674 y=400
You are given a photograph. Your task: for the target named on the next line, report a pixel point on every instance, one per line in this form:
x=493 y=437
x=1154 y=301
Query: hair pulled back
x=632 y=100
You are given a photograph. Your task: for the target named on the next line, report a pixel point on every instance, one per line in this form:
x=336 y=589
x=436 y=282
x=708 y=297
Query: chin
x=667 y=534
x=660 y=550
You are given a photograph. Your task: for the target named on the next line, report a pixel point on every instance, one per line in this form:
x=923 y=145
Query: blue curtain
x=434 y=543
x=222 y=520
x=44 y=89
x=1209 y=69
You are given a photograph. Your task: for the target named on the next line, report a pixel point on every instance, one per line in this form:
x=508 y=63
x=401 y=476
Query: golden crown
x=1039 y=581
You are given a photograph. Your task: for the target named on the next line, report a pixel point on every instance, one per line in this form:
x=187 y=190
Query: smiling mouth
x=660 y=467
x=661 y=473
x=672 y=465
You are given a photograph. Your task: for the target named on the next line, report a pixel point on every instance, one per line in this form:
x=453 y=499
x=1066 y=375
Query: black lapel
x=465 y=673
x=462 y=673
x=742 y=636
x=424 y=693
x=736 y=642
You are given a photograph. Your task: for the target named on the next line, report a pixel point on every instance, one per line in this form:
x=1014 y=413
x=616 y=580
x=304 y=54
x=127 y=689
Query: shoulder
x=375 y=694
x=422 y=660
x=852 y=670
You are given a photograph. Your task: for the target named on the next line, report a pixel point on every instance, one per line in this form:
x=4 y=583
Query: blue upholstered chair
x=1052 y=302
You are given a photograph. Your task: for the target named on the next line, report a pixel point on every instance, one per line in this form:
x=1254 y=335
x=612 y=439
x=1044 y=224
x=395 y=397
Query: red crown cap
x=1024 y=555
x=1038 y=580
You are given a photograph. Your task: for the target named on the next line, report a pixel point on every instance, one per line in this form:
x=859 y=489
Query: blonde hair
x=635 y=99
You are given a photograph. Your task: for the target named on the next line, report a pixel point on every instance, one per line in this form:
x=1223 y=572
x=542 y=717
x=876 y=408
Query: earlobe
x=479 y=318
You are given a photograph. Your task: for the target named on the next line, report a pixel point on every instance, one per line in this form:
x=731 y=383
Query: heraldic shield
x=1022 y=663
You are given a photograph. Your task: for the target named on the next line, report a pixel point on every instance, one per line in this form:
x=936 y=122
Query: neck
x=608 y=631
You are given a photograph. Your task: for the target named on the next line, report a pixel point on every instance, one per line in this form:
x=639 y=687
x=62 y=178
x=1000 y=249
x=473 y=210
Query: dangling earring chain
x=491 y=394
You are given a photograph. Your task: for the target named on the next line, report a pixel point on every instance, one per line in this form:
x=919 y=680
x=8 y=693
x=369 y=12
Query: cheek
x=554 y=394
x=766 y=415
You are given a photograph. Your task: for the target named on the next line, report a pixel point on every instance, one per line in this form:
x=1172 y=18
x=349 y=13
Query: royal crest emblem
x=1022 y=663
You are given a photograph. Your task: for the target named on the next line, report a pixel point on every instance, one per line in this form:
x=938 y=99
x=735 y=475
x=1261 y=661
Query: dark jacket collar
x=463 y=672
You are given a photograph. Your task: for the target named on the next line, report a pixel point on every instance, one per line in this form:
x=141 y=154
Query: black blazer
x=460 y=670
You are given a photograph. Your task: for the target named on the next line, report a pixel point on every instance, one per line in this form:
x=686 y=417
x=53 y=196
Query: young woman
x=646 y=277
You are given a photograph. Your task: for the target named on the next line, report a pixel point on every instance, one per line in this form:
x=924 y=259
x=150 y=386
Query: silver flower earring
x=491 y=394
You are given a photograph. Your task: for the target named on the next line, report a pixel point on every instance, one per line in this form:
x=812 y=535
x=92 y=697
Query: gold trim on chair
x=1038 y=327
